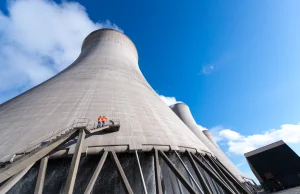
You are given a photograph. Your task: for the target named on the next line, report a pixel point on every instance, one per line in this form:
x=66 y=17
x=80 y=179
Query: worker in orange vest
x=100 y=120
x=104 y=120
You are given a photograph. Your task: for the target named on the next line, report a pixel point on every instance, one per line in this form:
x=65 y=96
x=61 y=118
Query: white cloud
x=215 y=133
x=229 y=134
x=240 y=144
x=39 y=38
x=168 y=100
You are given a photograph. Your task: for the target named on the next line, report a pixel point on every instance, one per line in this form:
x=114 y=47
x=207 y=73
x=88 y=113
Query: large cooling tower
x=52 y=127
x=184 y=113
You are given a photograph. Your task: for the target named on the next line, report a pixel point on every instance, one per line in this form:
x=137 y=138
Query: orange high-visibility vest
x=100 y=119
x=104 y=119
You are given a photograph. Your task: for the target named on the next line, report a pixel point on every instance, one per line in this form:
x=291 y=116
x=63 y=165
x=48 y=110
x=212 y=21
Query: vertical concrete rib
x=157 y=173
x=96 y=173
x=74 y=164
x=41 y=176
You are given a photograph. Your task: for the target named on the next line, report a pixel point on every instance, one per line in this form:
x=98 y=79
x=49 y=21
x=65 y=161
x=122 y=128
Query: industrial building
x=276 y=166
x=50 y=143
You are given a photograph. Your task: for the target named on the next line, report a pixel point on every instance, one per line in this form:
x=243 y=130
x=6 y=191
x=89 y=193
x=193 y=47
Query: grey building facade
x=48 y=141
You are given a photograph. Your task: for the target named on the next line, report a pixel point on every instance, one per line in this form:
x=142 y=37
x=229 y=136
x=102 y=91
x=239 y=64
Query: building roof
x=264 y=148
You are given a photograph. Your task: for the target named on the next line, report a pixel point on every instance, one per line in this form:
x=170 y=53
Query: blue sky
x=235 y=63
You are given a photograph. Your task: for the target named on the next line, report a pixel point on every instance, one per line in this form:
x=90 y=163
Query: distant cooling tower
x=209 y=136
x=50 y=141
x=184 y=113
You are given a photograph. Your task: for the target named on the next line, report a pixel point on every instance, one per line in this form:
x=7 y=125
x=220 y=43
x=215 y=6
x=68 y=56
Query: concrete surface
x=105 y=79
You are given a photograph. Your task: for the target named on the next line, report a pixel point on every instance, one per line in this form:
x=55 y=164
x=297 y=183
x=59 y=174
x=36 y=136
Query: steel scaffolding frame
x=222 y=177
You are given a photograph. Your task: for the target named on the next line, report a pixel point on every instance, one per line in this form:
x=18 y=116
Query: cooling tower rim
x=106 y=29
x=178 y=104
x=206 y=131
x=131 y=44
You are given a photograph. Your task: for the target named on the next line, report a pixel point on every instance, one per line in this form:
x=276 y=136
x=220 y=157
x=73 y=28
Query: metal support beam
x=41 y=176
x=202 y=180
x=254 y=183
x=210 y=166
x=141 y=172
x=157 y=173
x=179 y=185
x=205 y=162
x=249 y=187
x=225 y=178
x=225 y=169
x=216 y=187
x=34 y=156
x=96 y=173
x=74 y=164
x=13 y=180
x=229 y=176
x=213 y=175
x=122 y=174
x=187 y=185
x=185 y=167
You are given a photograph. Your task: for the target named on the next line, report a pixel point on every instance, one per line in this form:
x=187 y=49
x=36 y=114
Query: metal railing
x=78 y=123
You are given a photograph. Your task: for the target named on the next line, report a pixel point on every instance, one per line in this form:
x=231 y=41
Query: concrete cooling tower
x=184 y=113
x=209 y=136
x=50 y=141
